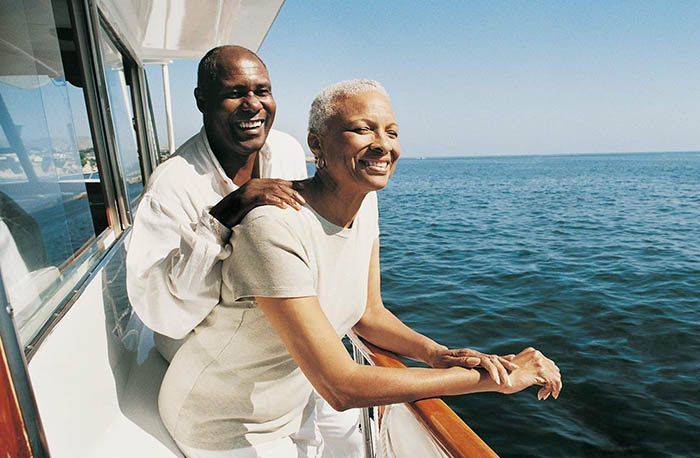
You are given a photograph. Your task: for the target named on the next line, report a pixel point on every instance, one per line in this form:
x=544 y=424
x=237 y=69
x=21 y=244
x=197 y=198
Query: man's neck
x=249 y=169
x=239 y=168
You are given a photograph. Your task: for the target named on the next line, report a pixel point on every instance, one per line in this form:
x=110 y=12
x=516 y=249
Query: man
x=181 y=229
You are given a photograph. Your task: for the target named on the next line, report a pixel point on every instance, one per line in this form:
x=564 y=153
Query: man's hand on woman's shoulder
x=254 y=193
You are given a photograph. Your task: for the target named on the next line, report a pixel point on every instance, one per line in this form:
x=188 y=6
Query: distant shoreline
x=504 y=155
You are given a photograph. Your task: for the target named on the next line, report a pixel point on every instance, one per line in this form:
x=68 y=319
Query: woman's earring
x=320 y=163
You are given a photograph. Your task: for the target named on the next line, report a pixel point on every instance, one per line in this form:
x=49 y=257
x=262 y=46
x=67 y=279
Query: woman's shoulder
x=370 y=201
x=270 y=214
x=269 y=221
x=370 y=206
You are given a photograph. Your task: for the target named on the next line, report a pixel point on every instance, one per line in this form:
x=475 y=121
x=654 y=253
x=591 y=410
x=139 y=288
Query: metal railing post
x=365 y=421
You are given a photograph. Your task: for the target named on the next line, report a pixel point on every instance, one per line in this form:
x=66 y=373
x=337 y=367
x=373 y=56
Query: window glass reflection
x=154 y=76
x=47 y=222
x=122 y=119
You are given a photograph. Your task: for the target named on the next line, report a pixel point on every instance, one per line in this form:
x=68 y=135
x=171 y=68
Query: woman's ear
x=314 y=142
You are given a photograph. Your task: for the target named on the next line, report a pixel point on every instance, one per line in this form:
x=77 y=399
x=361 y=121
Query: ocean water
x=592 y=259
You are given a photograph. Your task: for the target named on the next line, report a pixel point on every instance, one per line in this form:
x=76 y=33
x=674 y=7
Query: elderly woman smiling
x=245 y=381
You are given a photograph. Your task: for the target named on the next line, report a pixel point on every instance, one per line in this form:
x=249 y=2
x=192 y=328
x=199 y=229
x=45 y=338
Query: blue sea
x=592 y=259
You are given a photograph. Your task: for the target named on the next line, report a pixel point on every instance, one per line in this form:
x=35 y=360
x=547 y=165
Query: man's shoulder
x=173 y=172
x=182 y=167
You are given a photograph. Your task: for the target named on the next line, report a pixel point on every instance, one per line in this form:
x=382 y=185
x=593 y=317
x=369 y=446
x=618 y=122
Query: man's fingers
x=276 y=201
x=289 y=195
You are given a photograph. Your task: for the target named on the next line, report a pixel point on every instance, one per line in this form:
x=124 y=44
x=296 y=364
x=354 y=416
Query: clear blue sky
x=492 y=77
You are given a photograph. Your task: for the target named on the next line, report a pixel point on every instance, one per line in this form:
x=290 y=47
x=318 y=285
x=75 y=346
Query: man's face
x=239 y=110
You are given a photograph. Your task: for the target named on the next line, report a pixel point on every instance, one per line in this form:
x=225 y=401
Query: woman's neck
x=335 y=203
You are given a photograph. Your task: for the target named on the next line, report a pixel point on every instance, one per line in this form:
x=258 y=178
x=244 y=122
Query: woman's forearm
x=364 y=386
x=382 y=328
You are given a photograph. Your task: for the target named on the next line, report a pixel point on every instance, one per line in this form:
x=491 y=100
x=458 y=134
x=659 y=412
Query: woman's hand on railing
x=498 y=367
x=534 y=369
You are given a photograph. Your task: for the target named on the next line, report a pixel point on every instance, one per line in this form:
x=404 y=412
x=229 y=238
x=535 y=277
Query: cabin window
x=52 y=207
x=154 y=78
x=118 y=76
x=154 y=137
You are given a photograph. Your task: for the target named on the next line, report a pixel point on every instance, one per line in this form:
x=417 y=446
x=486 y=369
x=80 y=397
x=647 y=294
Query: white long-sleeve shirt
x=174 y=255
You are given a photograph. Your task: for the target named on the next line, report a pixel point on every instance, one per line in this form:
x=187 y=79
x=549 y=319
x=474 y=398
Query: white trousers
x=326 y=434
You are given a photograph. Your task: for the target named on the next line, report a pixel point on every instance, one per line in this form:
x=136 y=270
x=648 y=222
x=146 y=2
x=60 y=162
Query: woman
x=241 y=384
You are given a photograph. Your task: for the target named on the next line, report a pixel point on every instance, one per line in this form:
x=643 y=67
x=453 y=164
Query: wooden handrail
x=448 y=430
x=14 y=440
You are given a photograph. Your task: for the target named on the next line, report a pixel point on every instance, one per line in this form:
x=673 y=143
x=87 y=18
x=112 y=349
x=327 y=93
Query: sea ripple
x=593 y=259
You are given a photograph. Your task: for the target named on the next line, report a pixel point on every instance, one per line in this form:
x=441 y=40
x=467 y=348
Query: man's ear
x=314 y=142
x=201 y=102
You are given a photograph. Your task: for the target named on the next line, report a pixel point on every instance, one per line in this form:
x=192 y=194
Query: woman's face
x=361 y=145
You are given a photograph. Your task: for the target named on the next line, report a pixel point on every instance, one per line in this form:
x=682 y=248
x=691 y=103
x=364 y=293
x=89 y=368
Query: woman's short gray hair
x=323 y=107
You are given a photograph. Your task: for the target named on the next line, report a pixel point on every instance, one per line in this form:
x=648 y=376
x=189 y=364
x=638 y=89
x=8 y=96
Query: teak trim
x=14 y=440
x=448 y=430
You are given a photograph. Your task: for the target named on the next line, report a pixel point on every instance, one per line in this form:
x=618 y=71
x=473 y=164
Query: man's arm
x=173 y=266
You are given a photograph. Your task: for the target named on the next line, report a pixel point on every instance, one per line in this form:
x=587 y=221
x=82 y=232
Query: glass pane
x=122 y=119
x=46 y=219
x=150 y=123
x=154 y=76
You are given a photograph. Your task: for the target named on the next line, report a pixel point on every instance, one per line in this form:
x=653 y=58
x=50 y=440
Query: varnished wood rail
x=448 y=430
x=14 y=441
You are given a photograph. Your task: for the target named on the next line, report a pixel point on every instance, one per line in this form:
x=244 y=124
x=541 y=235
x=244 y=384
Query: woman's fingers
x=491 y=369
x=498 y=367
x=507 y=363
x=537 y=369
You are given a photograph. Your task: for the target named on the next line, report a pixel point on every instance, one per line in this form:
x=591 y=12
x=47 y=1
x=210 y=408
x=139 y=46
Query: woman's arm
x=382 y=328
x=314 y=345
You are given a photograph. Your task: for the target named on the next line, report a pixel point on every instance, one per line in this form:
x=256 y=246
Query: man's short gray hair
x=323 y=108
